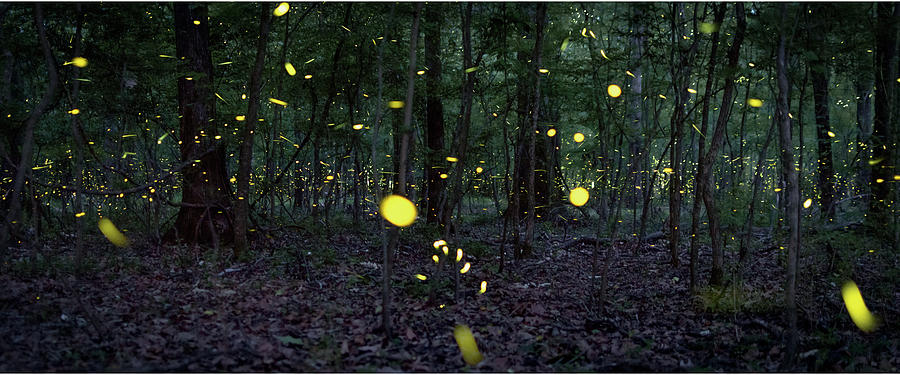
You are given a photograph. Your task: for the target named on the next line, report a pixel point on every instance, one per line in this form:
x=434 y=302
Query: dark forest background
x=739 y=160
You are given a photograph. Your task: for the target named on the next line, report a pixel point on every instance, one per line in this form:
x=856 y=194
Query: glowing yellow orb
x=112 y=233
x=395 y=104
x=708 y=28
x=668 y=170
x=755 y=103
x=467 y=345
x=421 y=276
x=614 y=91
x=831 y=134
x=357 y=127
x=807 y=203
x=579 y=196
x=80 y=62
x=479 y=170
x=398 y=210
x=551 y=132
x=239 y=118
x=483 y=287
x=443 y=175
x=281 y=10
x=465 y=268
x=857 y=308
x=578 y=137
x=75 y=111
x=290 y=68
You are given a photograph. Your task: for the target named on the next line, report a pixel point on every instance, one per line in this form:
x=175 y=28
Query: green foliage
x=734 y=298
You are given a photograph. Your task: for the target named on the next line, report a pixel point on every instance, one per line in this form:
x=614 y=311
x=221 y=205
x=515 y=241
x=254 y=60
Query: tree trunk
x=14 y=209
x=757 y=184
x=636 y=108
x=681 y=66
x=78 y=142
x=883 y=128
x=792 y=188
x=540 y=19
x=716 y=143
x=864 y=123
x=400 y=187
x=434 y=114
x=461 y=141
x=271 y=161
x=241 y=204
x=701 y=144
x=819 y=73
x=205 y=213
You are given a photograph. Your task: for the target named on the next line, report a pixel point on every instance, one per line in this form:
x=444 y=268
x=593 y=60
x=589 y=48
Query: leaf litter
x=141 y=310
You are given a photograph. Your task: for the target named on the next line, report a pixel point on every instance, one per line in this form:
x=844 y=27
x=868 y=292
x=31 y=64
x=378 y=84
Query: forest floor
x=311 y=302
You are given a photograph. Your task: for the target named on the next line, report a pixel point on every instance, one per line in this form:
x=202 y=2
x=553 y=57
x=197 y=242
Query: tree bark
x=241 y=204
x=206 y=216
x=636 y=107
x=400 y=187
x=718 y=137
x=701 y=144
x=540 y=20
x=883 y=128
x=681 y=66
x=792 y=188
x=434 y=114
x=819 y=73
x=461 y=141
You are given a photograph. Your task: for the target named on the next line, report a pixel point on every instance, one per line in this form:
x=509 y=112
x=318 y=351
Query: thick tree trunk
x=241 y=204
x=434 y=114
x=14 y=210
x=205 y=214
x=883 y=128
x=540 y=20
x=819 y=73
